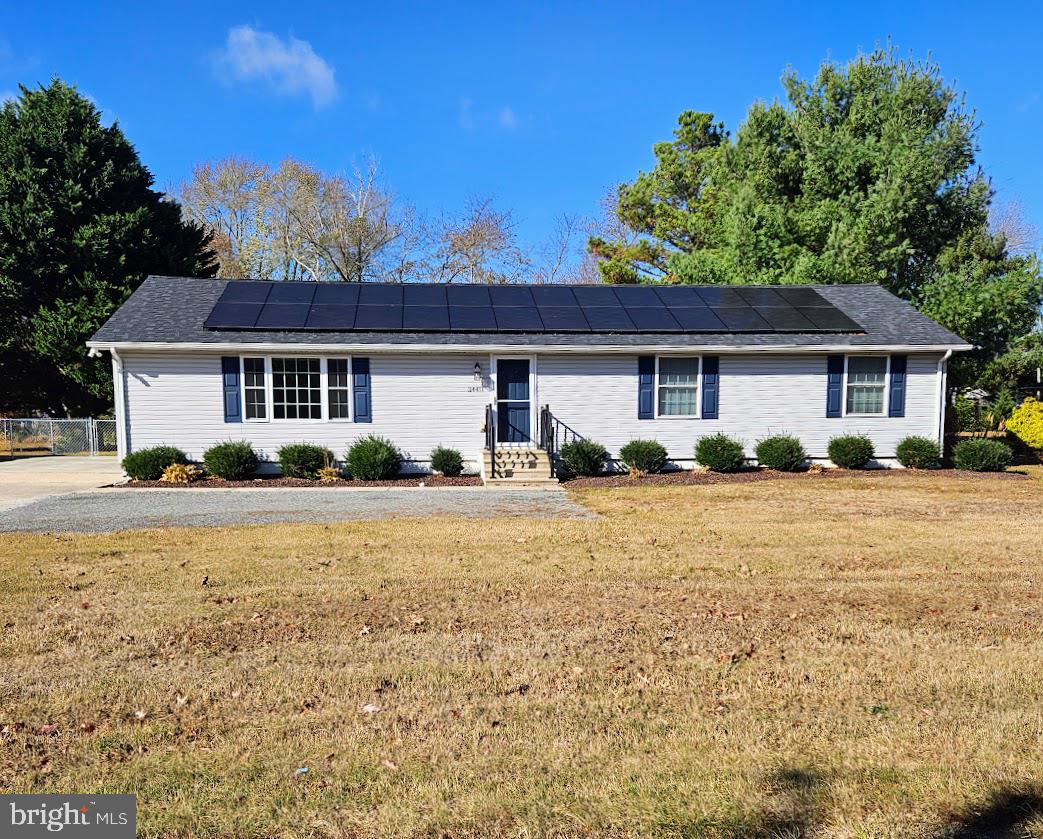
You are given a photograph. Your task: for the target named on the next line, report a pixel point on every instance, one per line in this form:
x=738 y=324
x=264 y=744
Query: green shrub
x=1026 y=423
x=966 y=414
x=982 y=455
x=583 y=457
x=373 y=458
x=720 y=453
x=782 y=452
x=235 y=460
x=149 y=464
x=918 y=453
x=646 y=456
x=851 y=451
x=447 y=461
x=303 y=460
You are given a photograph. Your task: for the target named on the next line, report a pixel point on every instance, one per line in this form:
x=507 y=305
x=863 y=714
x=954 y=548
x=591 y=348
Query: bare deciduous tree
x=480 y=247
x=1008 y=218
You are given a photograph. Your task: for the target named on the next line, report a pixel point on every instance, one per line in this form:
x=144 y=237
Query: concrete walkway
x=31 y=479
x=110 y=510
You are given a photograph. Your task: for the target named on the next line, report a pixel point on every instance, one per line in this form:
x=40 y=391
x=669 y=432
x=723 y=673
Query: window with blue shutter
x=896 y=402
x=711 y=378
x=360 y=385
x=230 y=384
x=645 y=386
x=834 y=385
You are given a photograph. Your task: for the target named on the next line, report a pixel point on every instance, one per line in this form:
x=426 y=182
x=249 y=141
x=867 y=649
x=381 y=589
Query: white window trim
x=887 y=385
x=269 y=389
x=698 y=390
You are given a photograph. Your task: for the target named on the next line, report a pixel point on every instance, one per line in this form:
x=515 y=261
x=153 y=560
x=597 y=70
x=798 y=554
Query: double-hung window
x=296 y=388
x=678 y=386
x=866 y=384
x=338 y=385
x=254 y=393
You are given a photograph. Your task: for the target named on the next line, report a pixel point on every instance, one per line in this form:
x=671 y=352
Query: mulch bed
x=699 y=478
x=297 y=483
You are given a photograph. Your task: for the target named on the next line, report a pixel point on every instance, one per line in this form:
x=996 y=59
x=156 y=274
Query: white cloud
x=289 y=67
x=507 y=119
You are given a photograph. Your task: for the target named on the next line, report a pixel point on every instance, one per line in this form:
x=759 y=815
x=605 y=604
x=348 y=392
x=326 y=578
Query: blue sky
x=544 y=106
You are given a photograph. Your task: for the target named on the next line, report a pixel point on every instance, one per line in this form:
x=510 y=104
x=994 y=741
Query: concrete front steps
x=522 y=468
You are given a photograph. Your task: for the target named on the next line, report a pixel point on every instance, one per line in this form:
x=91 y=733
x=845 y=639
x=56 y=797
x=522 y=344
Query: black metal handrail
x=490 y=434
x=553 y=435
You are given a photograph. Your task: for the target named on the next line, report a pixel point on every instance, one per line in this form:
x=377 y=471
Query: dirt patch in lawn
x=700 y=478
x=297 y=483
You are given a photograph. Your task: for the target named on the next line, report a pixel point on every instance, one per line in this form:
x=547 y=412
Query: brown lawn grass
x=854 y=657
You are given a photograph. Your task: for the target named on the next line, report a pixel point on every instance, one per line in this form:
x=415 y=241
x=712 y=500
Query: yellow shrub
x=1026 y=423
x=329 y=474
x=181 y=473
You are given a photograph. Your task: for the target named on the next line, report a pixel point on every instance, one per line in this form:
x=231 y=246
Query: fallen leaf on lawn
x=392 y=766
x=140 y=714
x=365 y=631
x=369 y=708
x=48 y=729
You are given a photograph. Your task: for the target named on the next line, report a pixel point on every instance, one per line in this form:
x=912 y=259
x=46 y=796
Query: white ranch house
x=505 y=373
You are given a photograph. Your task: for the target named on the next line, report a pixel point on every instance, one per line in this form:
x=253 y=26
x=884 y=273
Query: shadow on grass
x=1001 y=816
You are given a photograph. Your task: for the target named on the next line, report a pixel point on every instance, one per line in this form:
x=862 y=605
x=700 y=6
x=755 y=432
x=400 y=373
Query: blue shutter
x=645 y=386
x=711 y=377
x=360 y=387
x=834 y=385
x=230 y=383
x=896 y=404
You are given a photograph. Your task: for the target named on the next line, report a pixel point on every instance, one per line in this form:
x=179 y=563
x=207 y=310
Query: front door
x=513 y=409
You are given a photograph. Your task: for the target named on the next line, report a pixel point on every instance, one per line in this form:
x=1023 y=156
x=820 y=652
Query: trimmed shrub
x=643 y=456
x=720 y=453
x=982 y=455
x=149 y=464
x=235 y=460
x=782 y=452
x=583 y=457
x=1026 y=423
x=373 y=458
x=303 y=460
x=918 y=453
x=447 y=461
x=851 y=451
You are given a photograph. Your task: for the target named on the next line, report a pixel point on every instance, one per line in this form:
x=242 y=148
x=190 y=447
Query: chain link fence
x=40 y=437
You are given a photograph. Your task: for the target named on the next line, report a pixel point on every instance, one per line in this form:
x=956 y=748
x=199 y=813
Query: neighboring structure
x=516 y=369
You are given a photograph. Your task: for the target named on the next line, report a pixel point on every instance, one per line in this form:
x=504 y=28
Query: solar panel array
x=354 y=307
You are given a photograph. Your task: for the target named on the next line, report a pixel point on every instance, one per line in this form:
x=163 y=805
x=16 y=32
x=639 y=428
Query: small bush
x=966 y=414
x=583 y=457
x=235 y=460
x=447 y=461
x=918 y=453
x=148 y=464
x=781 y=452
x=851 y=452
x=1026 y=423
x=181 y=473
x=303 y=460
x=643 y=456
x=982 y=455
x=720 y=453
x=329 y=474
x=373 y=458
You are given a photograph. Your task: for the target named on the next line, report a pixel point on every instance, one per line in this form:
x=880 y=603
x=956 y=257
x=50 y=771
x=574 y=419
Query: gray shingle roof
x=172 y=310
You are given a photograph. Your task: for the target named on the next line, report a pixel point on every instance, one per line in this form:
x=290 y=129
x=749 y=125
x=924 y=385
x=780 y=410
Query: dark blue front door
x=512 y=400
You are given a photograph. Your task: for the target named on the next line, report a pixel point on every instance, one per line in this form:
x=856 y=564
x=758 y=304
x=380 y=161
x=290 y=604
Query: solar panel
x=283 y=316
x=785 y=319
x=653 y=319
x=292 y=293
x=608 y=319
x=233 y=315
x=589 y=295
x=468 y=295
x=802 y=296
x=637 y=295
x=551 y=295
x=829 y=319
x=337 y=294
x=425 y=317
x=380 y=295
x=741 y=319
x=369 y=316
x=518 y=318
x=761 y=297
x=679 y=295
x=331 y=317
x=697 y=319
x=563 y=319
x=424 y=295
x=717 y=296
x=511 y=295
x=472 y=319
x=245 y=292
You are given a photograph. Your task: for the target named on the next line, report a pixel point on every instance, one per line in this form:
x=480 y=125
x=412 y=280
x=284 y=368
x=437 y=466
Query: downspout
x=119 y=403
x=943 y=369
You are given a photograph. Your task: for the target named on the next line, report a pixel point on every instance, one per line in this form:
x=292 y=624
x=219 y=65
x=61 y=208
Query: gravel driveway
x=110 y=510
